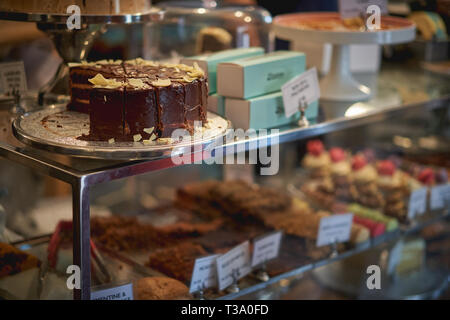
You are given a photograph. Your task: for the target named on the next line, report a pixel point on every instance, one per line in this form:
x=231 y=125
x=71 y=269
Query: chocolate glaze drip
x=123 y=112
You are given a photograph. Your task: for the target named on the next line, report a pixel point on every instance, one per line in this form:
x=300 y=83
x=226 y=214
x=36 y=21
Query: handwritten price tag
x=394 y=257
x=440 y=196
x=204 y=274
x=124 y=292
x=417 y=202
x=356 y=8
x=12 y=76
x=233 y=265
x=334 y=229
x=301 y=89
x=266 y=248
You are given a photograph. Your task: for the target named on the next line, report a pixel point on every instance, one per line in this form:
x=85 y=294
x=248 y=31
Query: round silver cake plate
x=339 y=84
x=63 y=127
x=153 y=15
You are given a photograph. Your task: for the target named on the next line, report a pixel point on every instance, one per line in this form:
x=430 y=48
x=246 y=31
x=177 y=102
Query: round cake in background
x=160 y=288
x=138 y=100
x=100 y=7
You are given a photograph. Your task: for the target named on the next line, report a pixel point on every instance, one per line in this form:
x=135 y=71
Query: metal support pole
x=81 y=238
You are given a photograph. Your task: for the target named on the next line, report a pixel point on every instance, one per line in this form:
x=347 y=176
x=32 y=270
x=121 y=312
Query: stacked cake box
x=251 y=87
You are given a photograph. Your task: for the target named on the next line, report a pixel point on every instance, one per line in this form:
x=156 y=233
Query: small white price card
x=302 y=89
x=124 y=292
x=266 y=247
x=440 y=196
x=12 y=76
x=417 y=202
x=233 y=265
x=355 y=8
x=334 y=229
x=204 y=274
x=394 y=257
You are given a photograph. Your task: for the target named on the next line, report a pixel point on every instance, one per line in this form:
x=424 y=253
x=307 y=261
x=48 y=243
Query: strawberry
x=426 y=176
x=386 y=168
x=337 y=154
x=358 y=162
x=315 y=147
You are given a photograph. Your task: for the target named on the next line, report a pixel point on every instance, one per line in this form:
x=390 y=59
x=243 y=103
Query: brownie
x=177 y=261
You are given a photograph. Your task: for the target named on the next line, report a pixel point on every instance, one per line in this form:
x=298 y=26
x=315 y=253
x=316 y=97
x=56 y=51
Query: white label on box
x=204 y=274
x=394 y=257
x=334 y=229
x=12 y=76
x=124 y=292
x=233 y=265
x=302 y=89
x=440 y=196
x=417 y=202
x=356 y=8
x=266 y=248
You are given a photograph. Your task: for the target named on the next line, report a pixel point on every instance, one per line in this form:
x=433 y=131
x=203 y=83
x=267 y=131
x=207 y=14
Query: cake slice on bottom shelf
x=176 y=262
x=160 y=288
x=19 y=272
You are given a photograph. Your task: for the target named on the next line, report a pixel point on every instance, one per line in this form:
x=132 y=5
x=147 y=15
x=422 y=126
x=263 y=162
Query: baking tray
x=63 y=127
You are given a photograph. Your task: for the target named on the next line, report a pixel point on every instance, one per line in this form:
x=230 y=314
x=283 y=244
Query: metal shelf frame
x=82 y=180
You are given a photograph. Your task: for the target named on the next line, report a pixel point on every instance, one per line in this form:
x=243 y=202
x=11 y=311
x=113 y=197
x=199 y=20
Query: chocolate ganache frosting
x=138 y=99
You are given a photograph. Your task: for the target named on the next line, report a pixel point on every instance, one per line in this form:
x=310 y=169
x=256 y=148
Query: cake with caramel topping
x=138 y=100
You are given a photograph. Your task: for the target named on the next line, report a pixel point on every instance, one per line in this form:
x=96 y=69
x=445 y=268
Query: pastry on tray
x=160 y=288
x=317 y=159
x=138 y=100
x=393 y=183
x=13 y=260
x=341 y=174
x=365 y=181
x=236 y=199
x=177 y=261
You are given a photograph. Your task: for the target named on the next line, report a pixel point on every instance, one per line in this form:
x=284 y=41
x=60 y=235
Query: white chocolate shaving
x=149 y=130
x=149 y=142
x=198 y=69
x=137 y=83
x=137 y=137
x=111 y=140
x=101 y=82
x=164 y=141
x=162 y=83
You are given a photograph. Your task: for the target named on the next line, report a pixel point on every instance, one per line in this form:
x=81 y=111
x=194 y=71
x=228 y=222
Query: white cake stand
x=338 y=84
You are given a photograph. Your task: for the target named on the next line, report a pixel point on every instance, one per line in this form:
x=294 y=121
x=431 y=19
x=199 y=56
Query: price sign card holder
x=12 y=77
x=357 y=8
x=122 y=292
x=233 y=265
x=204 y=274
x=300 y=91
x=334 y=229
x=417 y=202
x=440 y=197
x=265 y=248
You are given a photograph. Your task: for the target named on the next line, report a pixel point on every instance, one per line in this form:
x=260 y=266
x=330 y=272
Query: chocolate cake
x=137 y=100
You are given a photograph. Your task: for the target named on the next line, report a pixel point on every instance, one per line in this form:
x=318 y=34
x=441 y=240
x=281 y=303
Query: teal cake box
x=263 y=112
x=209 y=62
x=216 y=104
x=258 y=75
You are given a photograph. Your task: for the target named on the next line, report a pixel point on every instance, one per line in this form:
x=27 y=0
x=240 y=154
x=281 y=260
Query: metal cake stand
x=338 y=84
x=62 y=128
x=73 y=45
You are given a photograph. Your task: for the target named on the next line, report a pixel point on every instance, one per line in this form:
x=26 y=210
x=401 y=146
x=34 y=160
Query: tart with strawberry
x=341 y=174
x=393 y=184
x=317 y=159
x=365 y=180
